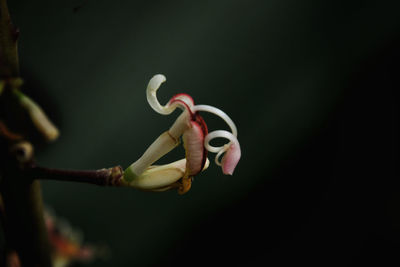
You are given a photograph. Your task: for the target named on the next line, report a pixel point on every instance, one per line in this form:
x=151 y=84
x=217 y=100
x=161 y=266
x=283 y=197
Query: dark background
x=310 y=85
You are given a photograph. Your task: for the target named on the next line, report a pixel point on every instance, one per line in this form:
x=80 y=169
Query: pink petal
x=187 y=99
x=231 y=159
x=193 y=140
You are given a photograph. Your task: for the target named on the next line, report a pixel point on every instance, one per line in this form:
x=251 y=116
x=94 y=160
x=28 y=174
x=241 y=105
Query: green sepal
x=129 y=175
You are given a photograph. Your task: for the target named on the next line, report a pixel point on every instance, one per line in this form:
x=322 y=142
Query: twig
x=103 y=177
x=24 y=226
x=9 y=64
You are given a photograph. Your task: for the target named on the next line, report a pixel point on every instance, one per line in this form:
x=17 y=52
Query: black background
x=333 y=201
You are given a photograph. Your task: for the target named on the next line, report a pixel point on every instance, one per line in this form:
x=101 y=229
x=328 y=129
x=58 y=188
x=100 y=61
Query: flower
x=196 y=141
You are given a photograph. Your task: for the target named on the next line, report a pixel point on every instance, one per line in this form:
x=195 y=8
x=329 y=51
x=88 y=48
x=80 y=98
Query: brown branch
x=103 y=177
x=24 y=227
x=9 y=65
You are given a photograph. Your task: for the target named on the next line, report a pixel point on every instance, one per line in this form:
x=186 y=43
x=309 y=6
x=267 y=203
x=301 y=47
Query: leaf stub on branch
x=22 y=151
x=116 y=175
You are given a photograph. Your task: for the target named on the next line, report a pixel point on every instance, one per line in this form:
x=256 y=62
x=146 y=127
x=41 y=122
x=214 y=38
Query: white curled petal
x=219 y=113
x=182 y=101
x=220 y=153
x=151 y=93
x=217 y=134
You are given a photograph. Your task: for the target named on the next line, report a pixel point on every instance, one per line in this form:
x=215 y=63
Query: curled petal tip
x=151 y=93
x=231 y=159
x=206 y=165
x=156 y=81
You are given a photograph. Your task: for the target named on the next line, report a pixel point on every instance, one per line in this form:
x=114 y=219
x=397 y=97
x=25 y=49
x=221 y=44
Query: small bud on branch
x=38 y=116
